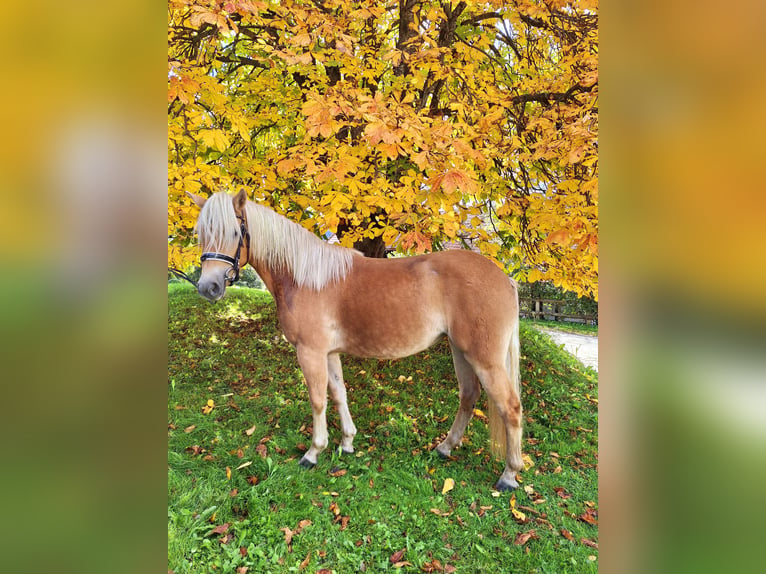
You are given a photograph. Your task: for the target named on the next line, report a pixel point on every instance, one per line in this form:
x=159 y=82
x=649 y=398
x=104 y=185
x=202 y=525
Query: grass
x=566 y=326
x=239 y=502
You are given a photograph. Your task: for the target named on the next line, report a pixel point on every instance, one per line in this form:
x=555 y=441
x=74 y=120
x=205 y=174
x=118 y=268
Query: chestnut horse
x=333 y=300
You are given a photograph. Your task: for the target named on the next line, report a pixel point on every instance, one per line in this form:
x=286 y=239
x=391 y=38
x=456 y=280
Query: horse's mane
x=275 y=241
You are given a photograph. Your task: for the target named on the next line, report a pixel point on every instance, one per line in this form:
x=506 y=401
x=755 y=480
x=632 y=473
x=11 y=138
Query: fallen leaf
x=524 y=537
x=208 y=407
x=233 y=492
x=528 y=462
x=301 y=525
x=242 y=570
x=336 y=472
x=402 y=564
x=449 y=484
x=566 y=534
x=561 y=492
x=220 y=529
x=245 y=464
x=517 y=514
x=589 y=516
x=397 y=556
x=190 y=428
x=228 y=473
x=305 y=562
x=288 y=537
x=589 y=543
x=250 y=431
x=261 y=450
x=334 y=509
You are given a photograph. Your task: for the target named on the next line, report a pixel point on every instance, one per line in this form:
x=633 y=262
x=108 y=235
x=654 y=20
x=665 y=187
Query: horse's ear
x=200 y=201
x=240 y=200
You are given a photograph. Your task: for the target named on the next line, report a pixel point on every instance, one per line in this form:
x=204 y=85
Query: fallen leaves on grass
x=221 y=529
x=396 y=559
x=566 y=534
x=449 y=484
x=432 y=566
x=250 y=431
x=208 y=407
x=590 y=543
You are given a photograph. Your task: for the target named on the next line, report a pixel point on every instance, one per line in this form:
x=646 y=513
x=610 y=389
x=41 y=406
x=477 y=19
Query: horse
x=331 y=300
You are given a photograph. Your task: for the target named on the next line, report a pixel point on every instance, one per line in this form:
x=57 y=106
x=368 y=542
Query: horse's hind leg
x=314 y=367
x=507 y=403
x=469 y=393
x=338 y=394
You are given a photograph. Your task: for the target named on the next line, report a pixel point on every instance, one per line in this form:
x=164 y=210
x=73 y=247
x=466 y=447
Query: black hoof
x=342 y=451
x=504 y=486
x=306 y=463
x=442 y=455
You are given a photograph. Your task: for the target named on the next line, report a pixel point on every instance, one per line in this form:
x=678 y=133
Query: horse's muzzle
x=212 y=290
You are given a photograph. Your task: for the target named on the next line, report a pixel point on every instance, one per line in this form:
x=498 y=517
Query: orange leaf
x=524 y=537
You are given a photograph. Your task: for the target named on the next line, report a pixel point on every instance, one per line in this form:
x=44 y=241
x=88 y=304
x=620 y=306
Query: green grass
x=565 y=326
x=385 y=498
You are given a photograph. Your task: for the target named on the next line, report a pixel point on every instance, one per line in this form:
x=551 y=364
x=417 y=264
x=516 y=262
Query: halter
x=231 y=278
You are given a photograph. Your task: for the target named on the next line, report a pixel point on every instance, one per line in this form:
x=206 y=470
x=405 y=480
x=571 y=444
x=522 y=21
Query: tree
x=405 y=123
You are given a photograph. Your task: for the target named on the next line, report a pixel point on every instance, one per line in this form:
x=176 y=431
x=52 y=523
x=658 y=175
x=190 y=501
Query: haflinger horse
x=332 y=300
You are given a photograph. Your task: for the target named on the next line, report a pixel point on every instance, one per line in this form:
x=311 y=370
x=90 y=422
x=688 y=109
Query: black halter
x=231 y=278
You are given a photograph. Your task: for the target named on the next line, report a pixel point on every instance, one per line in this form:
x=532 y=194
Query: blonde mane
x=275 y=241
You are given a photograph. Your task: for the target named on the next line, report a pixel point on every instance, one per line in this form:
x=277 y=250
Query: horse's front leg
x=314 y=367
x=338 y=394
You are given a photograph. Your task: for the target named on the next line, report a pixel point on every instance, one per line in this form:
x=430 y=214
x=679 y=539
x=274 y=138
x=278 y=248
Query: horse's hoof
x=342 y=450
x=306 y=463
x=442 y=455
x=504 y=485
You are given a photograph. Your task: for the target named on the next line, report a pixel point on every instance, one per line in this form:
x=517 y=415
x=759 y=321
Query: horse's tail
x=497 y=431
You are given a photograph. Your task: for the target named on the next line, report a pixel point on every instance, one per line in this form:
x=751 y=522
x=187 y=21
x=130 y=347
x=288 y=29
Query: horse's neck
x=279 y=283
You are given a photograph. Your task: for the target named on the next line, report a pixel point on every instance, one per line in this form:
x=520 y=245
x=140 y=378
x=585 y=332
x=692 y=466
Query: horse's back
x=396 y=307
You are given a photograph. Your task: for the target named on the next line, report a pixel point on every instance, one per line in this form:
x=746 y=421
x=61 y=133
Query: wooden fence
x=551 y=310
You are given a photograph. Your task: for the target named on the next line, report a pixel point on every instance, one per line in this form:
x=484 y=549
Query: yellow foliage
x=415 y=136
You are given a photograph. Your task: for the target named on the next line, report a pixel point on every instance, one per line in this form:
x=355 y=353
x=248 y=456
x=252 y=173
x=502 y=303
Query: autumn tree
x=407 y=124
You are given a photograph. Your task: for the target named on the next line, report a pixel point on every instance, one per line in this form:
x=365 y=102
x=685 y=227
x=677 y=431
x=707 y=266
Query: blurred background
x=83 y=286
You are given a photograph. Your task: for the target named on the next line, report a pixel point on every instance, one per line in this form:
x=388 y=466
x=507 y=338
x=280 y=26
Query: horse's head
x=225 y=241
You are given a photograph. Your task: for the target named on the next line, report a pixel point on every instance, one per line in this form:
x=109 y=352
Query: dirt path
x=584 y=347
